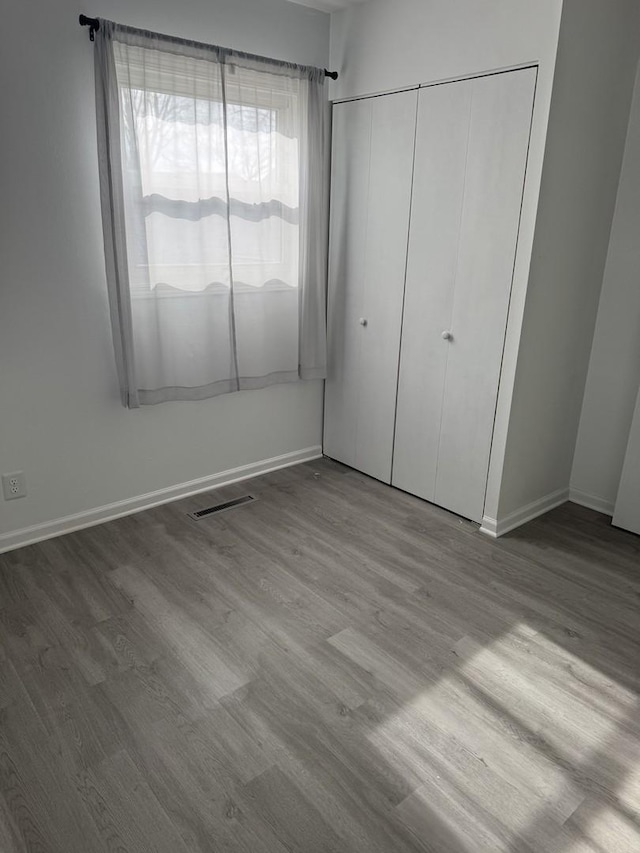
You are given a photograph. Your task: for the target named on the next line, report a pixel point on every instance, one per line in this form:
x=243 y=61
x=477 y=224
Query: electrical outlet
x=14 y=486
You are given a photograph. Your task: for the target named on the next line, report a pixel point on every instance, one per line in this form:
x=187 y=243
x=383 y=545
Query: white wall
x=60 y=416
x=379 y=45
x=614 y=369
x=627 y=505
x=597 y=56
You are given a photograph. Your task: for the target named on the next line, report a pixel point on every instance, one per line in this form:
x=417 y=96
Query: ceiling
x=327 y=5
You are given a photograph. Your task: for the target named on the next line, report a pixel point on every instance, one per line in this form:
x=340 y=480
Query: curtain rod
x=94 y=24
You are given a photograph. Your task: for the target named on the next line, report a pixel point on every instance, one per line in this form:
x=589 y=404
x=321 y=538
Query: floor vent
x=210 y=510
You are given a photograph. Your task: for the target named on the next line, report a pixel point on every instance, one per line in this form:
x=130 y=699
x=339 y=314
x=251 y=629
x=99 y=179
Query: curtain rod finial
x=92 y=23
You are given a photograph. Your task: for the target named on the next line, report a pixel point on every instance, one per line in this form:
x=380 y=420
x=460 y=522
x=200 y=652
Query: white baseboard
x=109 y=512
x=591 y=501
x=498 y=527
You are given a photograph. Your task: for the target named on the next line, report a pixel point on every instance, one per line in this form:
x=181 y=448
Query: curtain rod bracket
x=92 y=23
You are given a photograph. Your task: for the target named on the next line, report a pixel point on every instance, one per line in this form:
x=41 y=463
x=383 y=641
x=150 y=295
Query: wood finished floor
x=336 y=667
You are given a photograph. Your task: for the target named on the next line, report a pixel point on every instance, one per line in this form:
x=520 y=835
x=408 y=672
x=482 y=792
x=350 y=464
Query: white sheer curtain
x=213 y=185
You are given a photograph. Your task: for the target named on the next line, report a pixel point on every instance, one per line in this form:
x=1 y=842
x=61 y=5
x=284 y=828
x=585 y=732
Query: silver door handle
x=363 y=321
x=447 y=336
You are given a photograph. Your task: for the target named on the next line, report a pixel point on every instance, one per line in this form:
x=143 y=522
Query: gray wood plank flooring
x=336 y=667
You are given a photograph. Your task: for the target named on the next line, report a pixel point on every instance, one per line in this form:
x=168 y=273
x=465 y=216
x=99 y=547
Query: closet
x=426 y=194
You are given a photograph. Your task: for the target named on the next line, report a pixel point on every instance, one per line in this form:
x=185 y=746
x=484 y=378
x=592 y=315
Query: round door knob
x=447 y=336
x=363 y=321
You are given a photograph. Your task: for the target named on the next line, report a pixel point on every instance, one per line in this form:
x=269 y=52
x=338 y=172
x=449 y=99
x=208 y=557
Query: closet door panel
x=391 y=172
x=351 y=150
x=499 y=130
x=438 y=192
x=371 y=191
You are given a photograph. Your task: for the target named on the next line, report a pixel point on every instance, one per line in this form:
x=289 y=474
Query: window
x=213 y=188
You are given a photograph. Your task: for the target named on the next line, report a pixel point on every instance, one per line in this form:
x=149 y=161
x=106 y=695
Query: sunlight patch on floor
x=503 y=733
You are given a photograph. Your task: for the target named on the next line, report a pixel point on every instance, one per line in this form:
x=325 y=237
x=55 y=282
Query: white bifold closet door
x=372 y=166
x=470 y=159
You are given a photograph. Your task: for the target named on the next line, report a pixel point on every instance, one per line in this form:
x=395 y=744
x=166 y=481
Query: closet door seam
x=404 y=289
